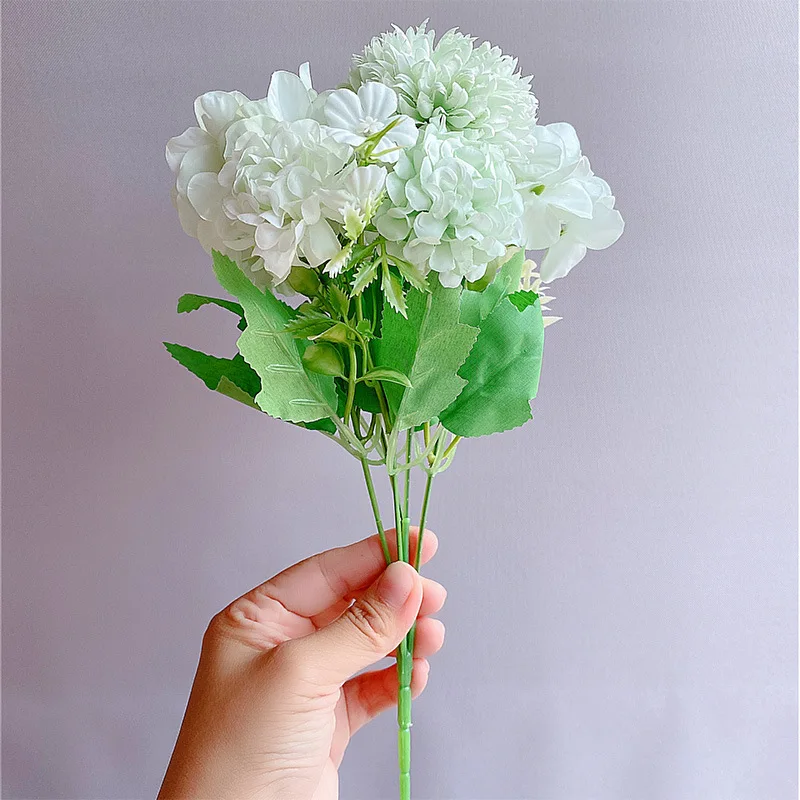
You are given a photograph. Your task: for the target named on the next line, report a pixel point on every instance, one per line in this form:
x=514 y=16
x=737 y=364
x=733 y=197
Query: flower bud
x=324 y=359
x=304 y=281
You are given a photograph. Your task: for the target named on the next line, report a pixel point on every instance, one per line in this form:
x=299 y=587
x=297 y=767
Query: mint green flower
x=477 y=90
x=452 y=206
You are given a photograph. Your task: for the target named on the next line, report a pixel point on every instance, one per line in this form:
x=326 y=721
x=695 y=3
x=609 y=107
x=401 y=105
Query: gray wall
x=622 y=571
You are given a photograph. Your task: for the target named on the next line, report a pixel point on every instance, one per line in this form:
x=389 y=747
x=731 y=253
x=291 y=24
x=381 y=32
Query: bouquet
x=373 y=238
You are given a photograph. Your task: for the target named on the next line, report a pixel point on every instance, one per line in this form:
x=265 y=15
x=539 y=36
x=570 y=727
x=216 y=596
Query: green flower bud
x=304 y=281
x=324 y=359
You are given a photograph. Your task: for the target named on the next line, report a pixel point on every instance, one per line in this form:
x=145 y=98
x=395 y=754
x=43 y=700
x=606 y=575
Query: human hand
x=274 y=701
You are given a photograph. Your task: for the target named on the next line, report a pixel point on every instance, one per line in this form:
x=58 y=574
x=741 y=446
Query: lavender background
x=622 y=571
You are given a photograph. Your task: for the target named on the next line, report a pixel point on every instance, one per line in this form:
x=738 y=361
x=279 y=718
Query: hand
x=274 y=701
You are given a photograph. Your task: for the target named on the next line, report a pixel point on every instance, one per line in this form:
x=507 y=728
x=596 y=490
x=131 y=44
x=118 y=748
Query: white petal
x=191 y=138
x=540 y=226
x=377 y=100
x=394 y=225
x=288 y=98
x=442 y=258
x=319 y=243
x=569 y=196
x=267 y=236
x=305 y=74
x=205 y=194
x=561 y=258
x=216 y=110
x=366 y=182
x=601 y=231
x=343 y=109
x=201 y=159
x=428 y=228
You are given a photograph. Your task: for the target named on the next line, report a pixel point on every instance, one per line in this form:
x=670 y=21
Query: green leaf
x=428 y=346
x=367 y=273
x=324 y=424
x=191 y=302
x=476 y=306
x=366 y=398
x=308 y=323
x=502 y=373
x=231 y=390
x=411 y=274
x=523 y=298
x=389 y=375
x=393 y=291
x=288 y=392
x=211 y=369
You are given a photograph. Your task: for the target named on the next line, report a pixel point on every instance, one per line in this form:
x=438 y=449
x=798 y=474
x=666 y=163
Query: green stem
x=407 y=493
x=351 y=382
x=422 y=518
x=376 y=511
x=404 y=666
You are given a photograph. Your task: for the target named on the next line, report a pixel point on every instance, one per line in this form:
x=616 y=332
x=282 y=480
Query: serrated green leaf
x=191 y=302
x=366 y=273
x=523 y=298
x=309 y=323
x=502 y=373
x=476 y=306
x=230 y=389
x=411 y=274
x=288 y=392
x=389 y=375
x=211 y=369
x=428 y=346
x=393 y=291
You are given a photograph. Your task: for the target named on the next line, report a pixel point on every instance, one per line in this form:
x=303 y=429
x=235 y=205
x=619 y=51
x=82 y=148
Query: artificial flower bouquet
x=393 y=215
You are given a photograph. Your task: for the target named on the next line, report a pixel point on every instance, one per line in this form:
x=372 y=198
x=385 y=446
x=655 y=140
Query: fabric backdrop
x=622 y=571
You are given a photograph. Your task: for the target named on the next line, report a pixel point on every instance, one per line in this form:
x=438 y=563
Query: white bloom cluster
x=435 y=147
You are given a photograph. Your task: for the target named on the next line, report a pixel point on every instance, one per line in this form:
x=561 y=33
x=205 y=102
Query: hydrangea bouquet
x=393 y=214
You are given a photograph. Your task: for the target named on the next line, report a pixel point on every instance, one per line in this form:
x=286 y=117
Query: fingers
x=367 y=631
x=314 y=585
x=433 y=597
x=429 y=637
x=368 y=694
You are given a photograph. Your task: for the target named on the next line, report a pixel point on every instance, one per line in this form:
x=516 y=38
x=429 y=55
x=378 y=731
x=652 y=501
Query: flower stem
x=404 y=663
x=351 y=382
x=376 y=511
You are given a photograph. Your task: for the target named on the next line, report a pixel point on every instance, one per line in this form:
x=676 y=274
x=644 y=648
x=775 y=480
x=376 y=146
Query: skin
x=276 y=697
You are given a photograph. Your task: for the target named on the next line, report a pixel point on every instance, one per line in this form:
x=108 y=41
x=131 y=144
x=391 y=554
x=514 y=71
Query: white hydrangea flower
x=200 y=160
x=567 y=208
x=275 y=184
x=477 y=90
x=354 y=117
x=452 y=206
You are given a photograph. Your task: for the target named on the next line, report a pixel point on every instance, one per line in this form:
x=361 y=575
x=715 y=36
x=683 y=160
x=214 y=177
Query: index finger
x=311 y=586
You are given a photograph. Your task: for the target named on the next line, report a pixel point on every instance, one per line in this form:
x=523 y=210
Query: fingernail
x=396 y=584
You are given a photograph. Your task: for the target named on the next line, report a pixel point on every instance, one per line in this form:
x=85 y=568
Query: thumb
x=369 y=630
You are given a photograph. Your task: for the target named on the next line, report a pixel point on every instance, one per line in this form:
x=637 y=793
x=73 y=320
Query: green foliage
x=392 y=288
x=366 y=273
x=428 y=346
x=231 y=376
x=389 y=375
x=502 y=372
x=191 y=302
x=288 y=392
x=476 y=306
x=523 y=298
